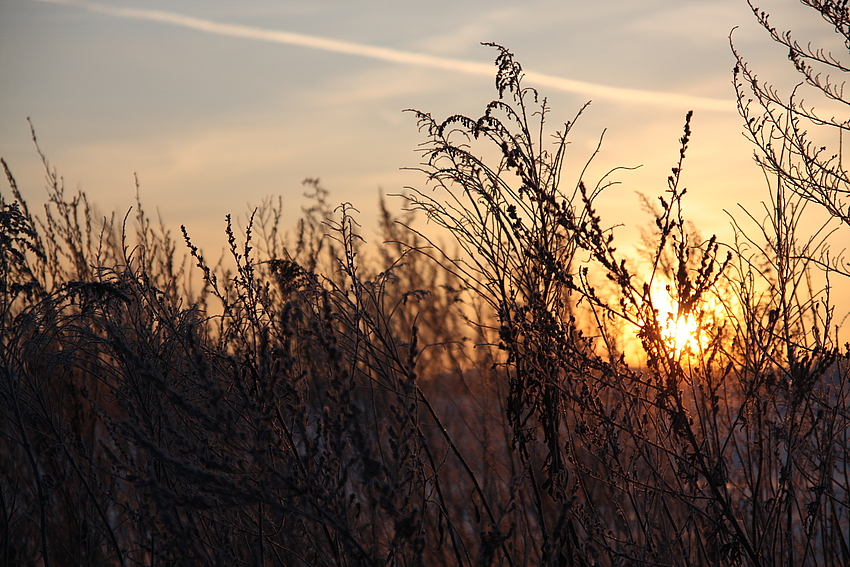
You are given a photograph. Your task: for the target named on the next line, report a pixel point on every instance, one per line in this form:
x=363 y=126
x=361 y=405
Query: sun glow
x=679 y=330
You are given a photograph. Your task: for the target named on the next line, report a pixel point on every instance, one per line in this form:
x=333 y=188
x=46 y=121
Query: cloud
x=401 y=57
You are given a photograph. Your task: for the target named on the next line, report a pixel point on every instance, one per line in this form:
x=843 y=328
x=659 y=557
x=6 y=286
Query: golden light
x=679 y=331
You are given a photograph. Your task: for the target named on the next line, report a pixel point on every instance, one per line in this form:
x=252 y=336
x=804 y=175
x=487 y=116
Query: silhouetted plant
x=298 y=403
x=632 y=456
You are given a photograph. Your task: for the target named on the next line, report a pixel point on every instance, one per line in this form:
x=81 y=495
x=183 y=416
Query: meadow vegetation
x=310 y=401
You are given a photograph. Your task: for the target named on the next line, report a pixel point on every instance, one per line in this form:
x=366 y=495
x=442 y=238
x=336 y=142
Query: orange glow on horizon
x=679 y=331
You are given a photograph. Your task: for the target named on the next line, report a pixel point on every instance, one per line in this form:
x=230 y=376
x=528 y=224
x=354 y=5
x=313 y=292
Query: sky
x=217 y=105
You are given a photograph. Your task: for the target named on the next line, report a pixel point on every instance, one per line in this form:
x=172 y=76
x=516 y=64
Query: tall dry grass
x=298 y=404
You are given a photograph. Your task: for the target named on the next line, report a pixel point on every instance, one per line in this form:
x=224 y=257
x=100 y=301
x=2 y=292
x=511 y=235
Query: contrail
x=403 y=57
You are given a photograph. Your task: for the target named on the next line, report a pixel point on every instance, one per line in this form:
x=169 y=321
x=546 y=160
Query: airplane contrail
x=402 y=57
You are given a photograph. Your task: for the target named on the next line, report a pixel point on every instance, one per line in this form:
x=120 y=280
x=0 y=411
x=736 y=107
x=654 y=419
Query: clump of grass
x=308 y=402
x=722 y=445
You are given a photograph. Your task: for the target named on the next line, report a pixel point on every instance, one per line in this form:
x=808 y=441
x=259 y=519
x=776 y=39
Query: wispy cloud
x=401 y=57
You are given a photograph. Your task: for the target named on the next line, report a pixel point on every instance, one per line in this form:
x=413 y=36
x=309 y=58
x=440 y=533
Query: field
x=530 y=394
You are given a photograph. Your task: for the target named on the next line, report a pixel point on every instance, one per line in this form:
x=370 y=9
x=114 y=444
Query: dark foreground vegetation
x=297 y=405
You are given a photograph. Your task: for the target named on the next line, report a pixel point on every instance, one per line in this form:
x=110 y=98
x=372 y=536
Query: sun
x=679 y=330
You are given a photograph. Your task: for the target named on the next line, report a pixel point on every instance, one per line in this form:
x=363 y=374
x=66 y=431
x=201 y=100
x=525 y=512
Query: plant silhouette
x=307 y=401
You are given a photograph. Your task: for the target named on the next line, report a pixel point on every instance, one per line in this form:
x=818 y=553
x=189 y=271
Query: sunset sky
x=217 y=105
